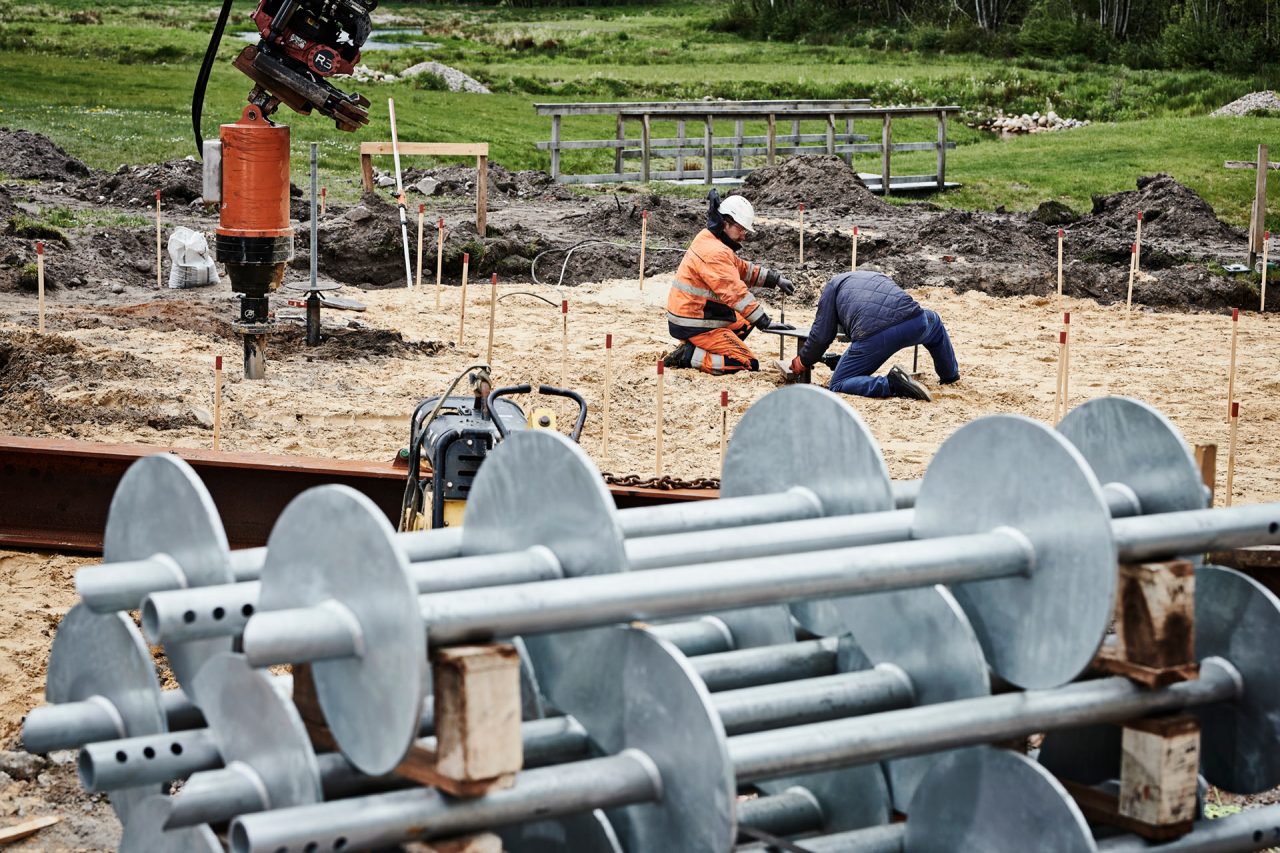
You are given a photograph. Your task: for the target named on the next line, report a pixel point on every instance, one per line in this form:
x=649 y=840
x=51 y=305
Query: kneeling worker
x=709 y=307
x=880 y=319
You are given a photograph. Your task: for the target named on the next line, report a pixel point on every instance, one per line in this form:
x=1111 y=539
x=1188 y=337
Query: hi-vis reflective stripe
x=698 y=323
x=753 y=272
x=741 y=304
x=717 y=363
x=696 y=359
x=756 y=314
x=699 y=357
x=694 y=291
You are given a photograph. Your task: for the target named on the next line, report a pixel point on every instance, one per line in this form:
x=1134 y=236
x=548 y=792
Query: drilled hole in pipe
x=218 y=613
x=311 y=847
x=340 y=843
x=246 y=611
x=189 y=616
x=149 y=752
x=1274 y=527
x=121 y=757
x=175 y=748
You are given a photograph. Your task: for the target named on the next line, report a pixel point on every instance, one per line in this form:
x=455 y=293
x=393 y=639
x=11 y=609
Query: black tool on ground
x=312 y=303
x=455 y=433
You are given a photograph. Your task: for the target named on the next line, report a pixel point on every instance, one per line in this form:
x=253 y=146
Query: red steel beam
x=55 y=493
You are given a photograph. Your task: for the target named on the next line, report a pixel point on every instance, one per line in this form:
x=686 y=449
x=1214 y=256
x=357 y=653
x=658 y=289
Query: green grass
x=119 y=91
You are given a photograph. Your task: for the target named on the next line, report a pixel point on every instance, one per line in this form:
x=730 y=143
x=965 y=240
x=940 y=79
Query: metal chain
x=664 y=483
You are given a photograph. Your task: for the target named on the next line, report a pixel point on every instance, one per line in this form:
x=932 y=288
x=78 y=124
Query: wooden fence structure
x=837 y=137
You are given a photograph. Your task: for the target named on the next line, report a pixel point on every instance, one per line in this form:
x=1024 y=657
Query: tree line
x=1226 y=35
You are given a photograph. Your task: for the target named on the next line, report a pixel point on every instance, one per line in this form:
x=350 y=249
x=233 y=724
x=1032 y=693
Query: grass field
x=116 y=87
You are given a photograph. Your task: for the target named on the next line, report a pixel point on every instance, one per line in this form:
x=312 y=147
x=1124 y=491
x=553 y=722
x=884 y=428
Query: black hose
x=202 y=79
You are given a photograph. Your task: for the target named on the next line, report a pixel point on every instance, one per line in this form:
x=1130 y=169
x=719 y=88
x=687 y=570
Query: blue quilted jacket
x=862 y=303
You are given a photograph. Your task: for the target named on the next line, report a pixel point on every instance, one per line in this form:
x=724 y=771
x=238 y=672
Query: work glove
x=791 y=370
x=782 y=327
x=764 y=322
x=714 y=219
x=776 y=279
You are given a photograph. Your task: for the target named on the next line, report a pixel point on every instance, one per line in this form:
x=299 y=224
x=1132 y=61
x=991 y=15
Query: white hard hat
x=741 y=211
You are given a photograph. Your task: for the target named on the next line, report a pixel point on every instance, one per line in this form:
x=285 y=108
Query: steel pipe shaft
x=767 y=664
x=967 y=722
x=850 y=694
x=147 y=760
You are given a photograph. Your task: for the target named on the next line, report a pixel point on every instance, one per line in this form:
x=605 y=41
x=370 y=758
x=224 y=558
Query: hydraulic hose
x=202 y=79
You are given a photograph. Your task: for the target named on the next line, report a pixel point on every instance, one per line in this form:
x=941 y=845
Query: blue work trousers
x=853 y=374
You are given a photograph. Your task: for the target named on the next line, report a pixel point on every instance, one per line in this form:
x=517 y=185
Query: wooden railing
x=837 y=137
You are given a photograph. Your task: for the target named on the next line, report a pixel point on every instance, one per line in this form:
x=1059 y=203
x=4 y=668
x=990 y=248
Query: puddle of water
x=372 y=43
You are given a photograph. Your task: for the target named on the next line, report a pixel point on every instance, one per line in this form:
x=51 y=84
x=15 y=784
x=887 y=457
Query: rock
x=359 y=213
x=5 y=779
x=453 y=78
x=427 y=186
x=203 y=417
x=384 y=181
x=22 y=765
x=143 y=265
x=117 y=287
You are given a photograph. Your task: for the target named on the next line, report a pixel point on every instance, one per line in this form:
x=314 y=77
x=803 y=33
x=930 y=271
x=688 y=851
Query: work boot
x=679 y=357
x=902 y=385
x=955 y=378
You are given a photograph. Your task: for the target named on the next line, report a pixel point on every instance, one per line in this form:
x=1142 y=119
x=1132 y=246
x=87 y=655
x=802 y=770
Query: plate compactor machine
x=450 y=436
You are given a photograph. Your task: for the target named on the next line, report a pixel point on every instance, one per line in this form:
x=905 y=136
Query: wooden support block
x=1101 y=807
x=1207 y=462
x=421 y=764
x=477 y=703
x=484 y=842
x=1158 y=769
x=1155 y=624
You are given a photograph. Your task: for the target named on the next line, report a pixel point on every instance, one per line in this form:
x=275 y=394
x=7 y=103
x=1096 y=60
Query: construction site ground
x=122 y=361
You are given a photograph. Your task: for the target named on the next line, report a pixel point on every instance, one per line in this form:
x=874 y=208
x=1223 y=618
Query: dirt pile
x=179 y=182
x=992 y=237
x=823 y=182
x=33 y=156
x=1170 y=211
x=460 y=180
x=52 y=384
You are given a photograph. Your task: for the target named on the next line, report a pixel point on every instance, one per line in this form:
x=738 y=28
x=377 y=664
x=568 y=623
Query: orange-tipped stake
x=159 y=261
x=1231 y=375
x=564 y=343
x=853 y=262
x=324 y=192
x=802 y=234
x=217 y=401
x=1061 y=235
x=1133 y=270
x=1062 y=363
x=644 y=238
x=724 y=424
x=657 y=430
x=493 y=312
x=608 y=391
x=462 y=303
x=422 y=208
x=40 y=287
x=1231 y=451
x=439 y=257
x=1137 y=242
x=1266 y=241
x=1066 y=362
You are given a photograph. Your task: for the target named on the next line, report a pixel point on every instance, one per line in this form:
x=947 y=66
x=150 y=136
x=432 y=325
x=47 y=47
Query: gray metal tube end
x=111 y=587
x=147 y=760
x=180 y=616
x=302 y=635
x=70 y=725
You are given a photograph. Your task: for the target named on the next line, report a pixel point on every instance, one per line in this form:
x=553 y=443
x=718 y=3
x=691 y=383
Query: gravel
x=1250 y=102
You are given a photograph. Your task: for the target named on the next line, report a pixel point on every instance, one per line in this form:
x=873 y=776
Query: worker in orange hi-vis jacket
x=710 y=308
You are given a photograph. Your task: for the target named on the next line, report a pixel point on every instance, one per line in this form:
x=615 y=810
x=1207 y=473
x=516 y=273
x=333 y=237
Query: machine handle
x=552 y=391
x=503 y=392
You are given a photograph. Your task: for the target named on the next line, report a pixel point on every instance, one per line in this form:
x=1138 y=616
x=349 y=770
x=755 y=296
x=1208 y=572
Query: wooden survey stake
x=644 y=237
x=564 y=343
x=422 y=208
x=853 y=262
x=1231 y=450
x=439 y=257
x=658 y=426
x=1062 y=365
x=324 y=191
x=1137 y=244
x=159 y=261
x=217 y=402
x=1133 y=270
x=493 y=312
x=1231 y=375
x=40 y=287
x=724 y=425
x=608 y=391
x=462 y=302
x=1061 y=235
x=1266 y=241
x=802 y=234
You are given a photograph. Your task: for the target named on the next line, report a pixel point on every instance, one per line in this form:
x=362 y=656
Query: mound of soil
x=822 y=182
x=33 y=156
x=179 y=182
x=39 y=374
x=460 y=180
x=987 y=236
x=1170 y=211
